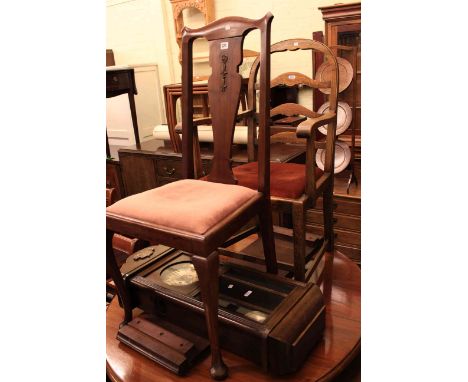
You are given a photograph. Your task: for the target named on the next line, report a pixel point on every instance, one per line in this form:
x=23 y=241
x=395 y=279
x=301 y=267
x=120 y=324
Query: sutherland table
x=341 y=343
x=121 y=80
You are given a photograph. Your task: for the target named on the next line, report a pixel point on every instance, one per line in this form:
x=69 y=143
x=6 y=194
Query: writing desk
x=121 y=80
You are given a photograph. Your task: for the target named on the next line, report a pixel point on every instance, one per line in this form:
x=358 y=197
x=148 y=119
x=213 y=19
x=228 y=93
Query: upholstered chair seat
x=187 y=205
x=287 y=180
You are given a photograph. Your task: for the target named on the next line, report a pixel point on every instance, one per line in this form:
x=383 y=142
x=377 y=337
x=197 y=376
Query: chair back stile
x=224 y=91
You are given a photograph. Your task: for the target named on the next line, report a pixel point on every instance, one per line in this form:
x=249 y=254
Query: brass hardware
x=169 y=172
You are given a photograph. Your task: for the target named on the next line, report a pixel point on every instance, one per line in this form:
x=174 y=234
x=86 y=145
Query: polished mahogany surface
x=341 y=343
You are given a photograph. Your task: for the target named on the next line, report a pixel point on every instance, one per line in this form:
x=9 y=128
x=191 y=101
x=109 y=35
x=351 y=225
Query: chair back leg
x=265 y=223
x=299 y=240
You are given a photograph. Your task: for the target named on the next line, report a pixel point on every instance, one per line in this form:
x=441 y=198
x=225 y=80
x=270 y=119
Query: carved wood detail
x=204 y=6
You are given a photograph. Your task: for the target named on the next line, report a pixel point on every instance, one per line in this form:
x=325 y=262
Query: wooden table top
x=341 y=342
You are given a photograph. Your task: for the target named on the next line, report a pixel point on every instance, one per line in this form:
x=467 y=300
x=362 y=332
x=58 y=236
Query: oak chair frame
x=225 y=37
x=314 y=188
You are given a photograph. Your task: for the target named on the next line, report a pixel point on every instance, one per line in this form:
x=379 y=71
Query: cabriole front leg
x=207 y=270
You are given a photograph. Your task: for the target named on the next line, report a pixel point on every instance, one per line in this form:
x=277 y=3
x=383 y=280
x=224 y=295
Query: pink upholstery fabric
x=188 y=205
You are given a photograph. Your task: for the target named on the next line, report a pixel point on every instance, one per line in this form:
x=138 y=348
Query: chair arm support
x=305 y=129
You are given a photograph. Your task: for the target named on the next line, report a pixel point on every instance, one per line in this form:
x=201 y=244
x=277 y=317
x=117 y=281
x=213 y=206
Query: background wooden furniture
x=343 y=27
x=122 y=81
x=114 y=180
x=152 y=166
x=346 y=217
x=110 y=61
x=131 y=216
x=341 y=342
x=204 y=6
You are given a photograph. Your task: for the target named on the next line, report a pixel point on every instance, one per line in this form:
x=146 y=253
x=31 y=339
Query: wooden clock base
x=340 y=344
x=163 y=342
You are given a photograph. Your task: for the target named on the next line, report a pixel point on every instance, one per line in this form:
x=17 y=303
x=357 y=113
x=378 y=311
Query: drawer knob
x=169 y=171
x=115 y=79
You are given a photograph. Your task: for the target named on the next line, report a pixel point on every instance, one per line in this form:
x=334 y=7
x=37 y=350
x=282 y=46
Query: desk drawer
x=169 y=168
x=172 y=168
x=340 y=220
x=117 y=81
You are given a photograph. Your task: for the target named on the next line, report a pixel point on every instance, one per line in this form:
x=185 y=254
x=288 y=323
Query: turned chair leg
x=207 y=270
x=113 y=269
x=299 y=241
x=265 y=223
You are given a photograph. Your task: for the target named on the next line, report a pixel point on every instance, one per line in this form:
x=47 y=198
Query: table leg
x=131 y=99
x=107 y=146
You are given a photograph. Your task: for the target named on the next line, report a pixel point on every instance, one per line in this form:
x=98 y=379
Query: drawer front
x=343 y=206
x=340 y=221
x=344 y=237
x=138 y=173
x=169 y=168
x=117 y=81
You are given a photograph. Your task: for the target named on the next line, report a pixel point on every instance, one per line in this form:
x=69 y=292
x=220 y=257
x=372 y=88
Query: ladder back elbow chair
x=296 y=187
x=198 y=216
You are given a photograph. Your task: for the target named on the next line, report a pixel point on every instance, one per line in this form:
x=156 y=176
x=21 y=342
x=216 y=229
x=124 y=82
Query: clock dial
x=179 y=274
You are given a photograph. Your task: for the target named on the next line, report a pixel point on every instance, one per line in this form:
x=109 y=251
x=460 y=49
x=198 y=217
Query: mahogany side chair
x=296 y=187
x=198 y=216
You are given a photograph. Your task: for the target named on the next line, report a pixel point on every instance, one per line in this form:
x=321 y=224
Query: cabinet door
x=114 y=180
x=138 y=173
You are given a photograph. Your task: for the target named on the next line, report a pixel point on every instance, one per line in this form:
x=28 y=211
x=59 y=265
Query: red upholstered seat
x=187 y=205
x=287 y=180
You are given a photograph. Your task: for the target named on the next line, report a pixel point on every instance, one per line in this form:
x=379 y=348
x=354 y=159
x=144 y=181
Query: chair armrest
x=305 y=129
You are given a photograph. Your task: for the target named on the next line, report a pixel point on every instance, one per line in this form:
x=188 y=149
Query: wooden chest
x=347 y=217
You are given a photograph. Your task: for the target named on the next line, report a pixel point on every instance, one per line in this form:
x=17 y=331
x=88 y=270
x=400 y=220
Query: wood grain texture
x=225 y=85
x=340 y=345
x=314 y=187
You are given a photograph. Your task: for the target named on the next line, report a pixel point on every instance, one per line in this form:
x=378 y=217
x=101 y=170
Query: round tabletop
x=340 y=344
